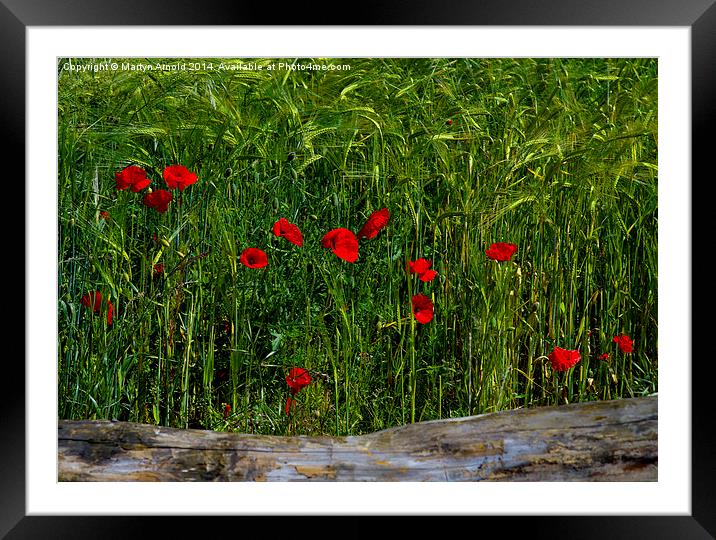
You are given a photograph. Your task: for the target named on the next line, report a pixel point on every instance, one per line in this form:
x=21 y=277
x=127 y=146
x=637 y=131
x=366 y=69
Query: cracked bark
x=594 y=441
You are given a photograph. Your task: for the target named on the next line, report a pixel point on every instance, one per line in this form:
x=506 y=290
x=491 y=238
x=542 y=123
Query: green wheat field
x=165 y=318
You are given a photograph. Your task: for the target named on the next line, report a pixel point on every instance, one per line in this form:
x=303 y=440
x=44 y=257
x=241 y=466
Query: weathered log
x=595 y=441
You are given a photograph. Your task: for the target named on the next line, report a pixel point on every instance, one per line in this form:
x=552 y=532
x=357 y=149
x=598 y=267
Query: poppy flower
x=289 y=231
x=343 y=243
x=449 y=122
x=290 y=403
x=375 y=223
x=253 y=258
x=92 y=300
x=604 y=356
x=104 y=215
x=422 y=308
x=132 y=177
x=227 y=410
x=297 y=379
x=157 y=270
x=501 y=251
x=625 y=343
x=563 y=359
x=110 y=313
x=159 y=200
x=422 y=268
x=178 y=176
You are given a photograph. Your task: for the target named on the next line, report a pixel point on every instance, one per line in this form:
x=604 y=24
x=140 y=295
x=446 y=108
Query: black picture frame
x=699 y=15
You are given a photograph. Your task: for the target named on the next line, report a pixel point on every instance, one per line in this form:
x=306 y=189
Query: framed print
x=187 y=248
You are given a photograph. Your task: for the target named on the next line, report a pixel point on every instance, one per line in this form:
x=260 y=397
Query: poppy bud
x=164 y=242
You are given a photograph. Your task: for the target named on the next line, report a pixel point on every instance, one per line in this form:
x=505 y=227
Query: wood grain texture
x=594 y=441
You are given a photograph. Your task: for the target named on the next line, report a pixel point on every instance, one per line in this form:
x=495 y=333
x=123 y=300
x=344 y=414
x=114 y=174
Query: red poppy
x=92 y=300
x=227 y=410
x=159 y=200
x=422 y=308
x=422 y=268
x=132 y=176
x=563 y=359
x=178 y=176
x=375 y=223
x=501 y=251
x=290 y=403
x=253 y=258
x=343 y=243
x=604 y=356
x=449 y=122
x=297 y=379
x=625 y=343
x=104 y=215
x=157 y=270
x=289 y=231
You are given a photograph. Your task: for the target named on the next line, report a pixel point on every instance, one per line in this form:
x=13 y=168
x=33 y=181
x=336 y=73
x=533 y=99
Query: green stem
x=413 y=382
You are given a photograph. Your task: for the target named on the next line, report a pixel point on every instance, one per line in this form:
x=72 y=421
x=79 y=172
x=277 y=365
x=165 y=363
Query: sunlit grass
x=556 y=156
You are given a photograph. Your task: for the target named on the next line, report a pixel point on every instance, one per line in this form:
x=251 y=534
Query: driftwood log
x=595 y=441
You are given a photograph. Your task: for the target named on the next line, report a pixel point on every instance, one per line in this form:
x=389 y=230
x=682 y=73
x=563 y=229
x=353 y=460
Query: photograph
x=428 y=264
x=427 y=268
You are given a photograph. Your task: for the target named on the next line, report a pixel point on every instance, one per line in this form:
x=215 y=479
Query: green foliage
x=558 y=156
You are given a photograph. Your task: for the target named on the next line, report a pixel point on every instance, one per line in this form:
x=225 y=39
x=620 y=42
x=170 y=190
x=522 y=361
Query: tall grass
x=558 y=156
